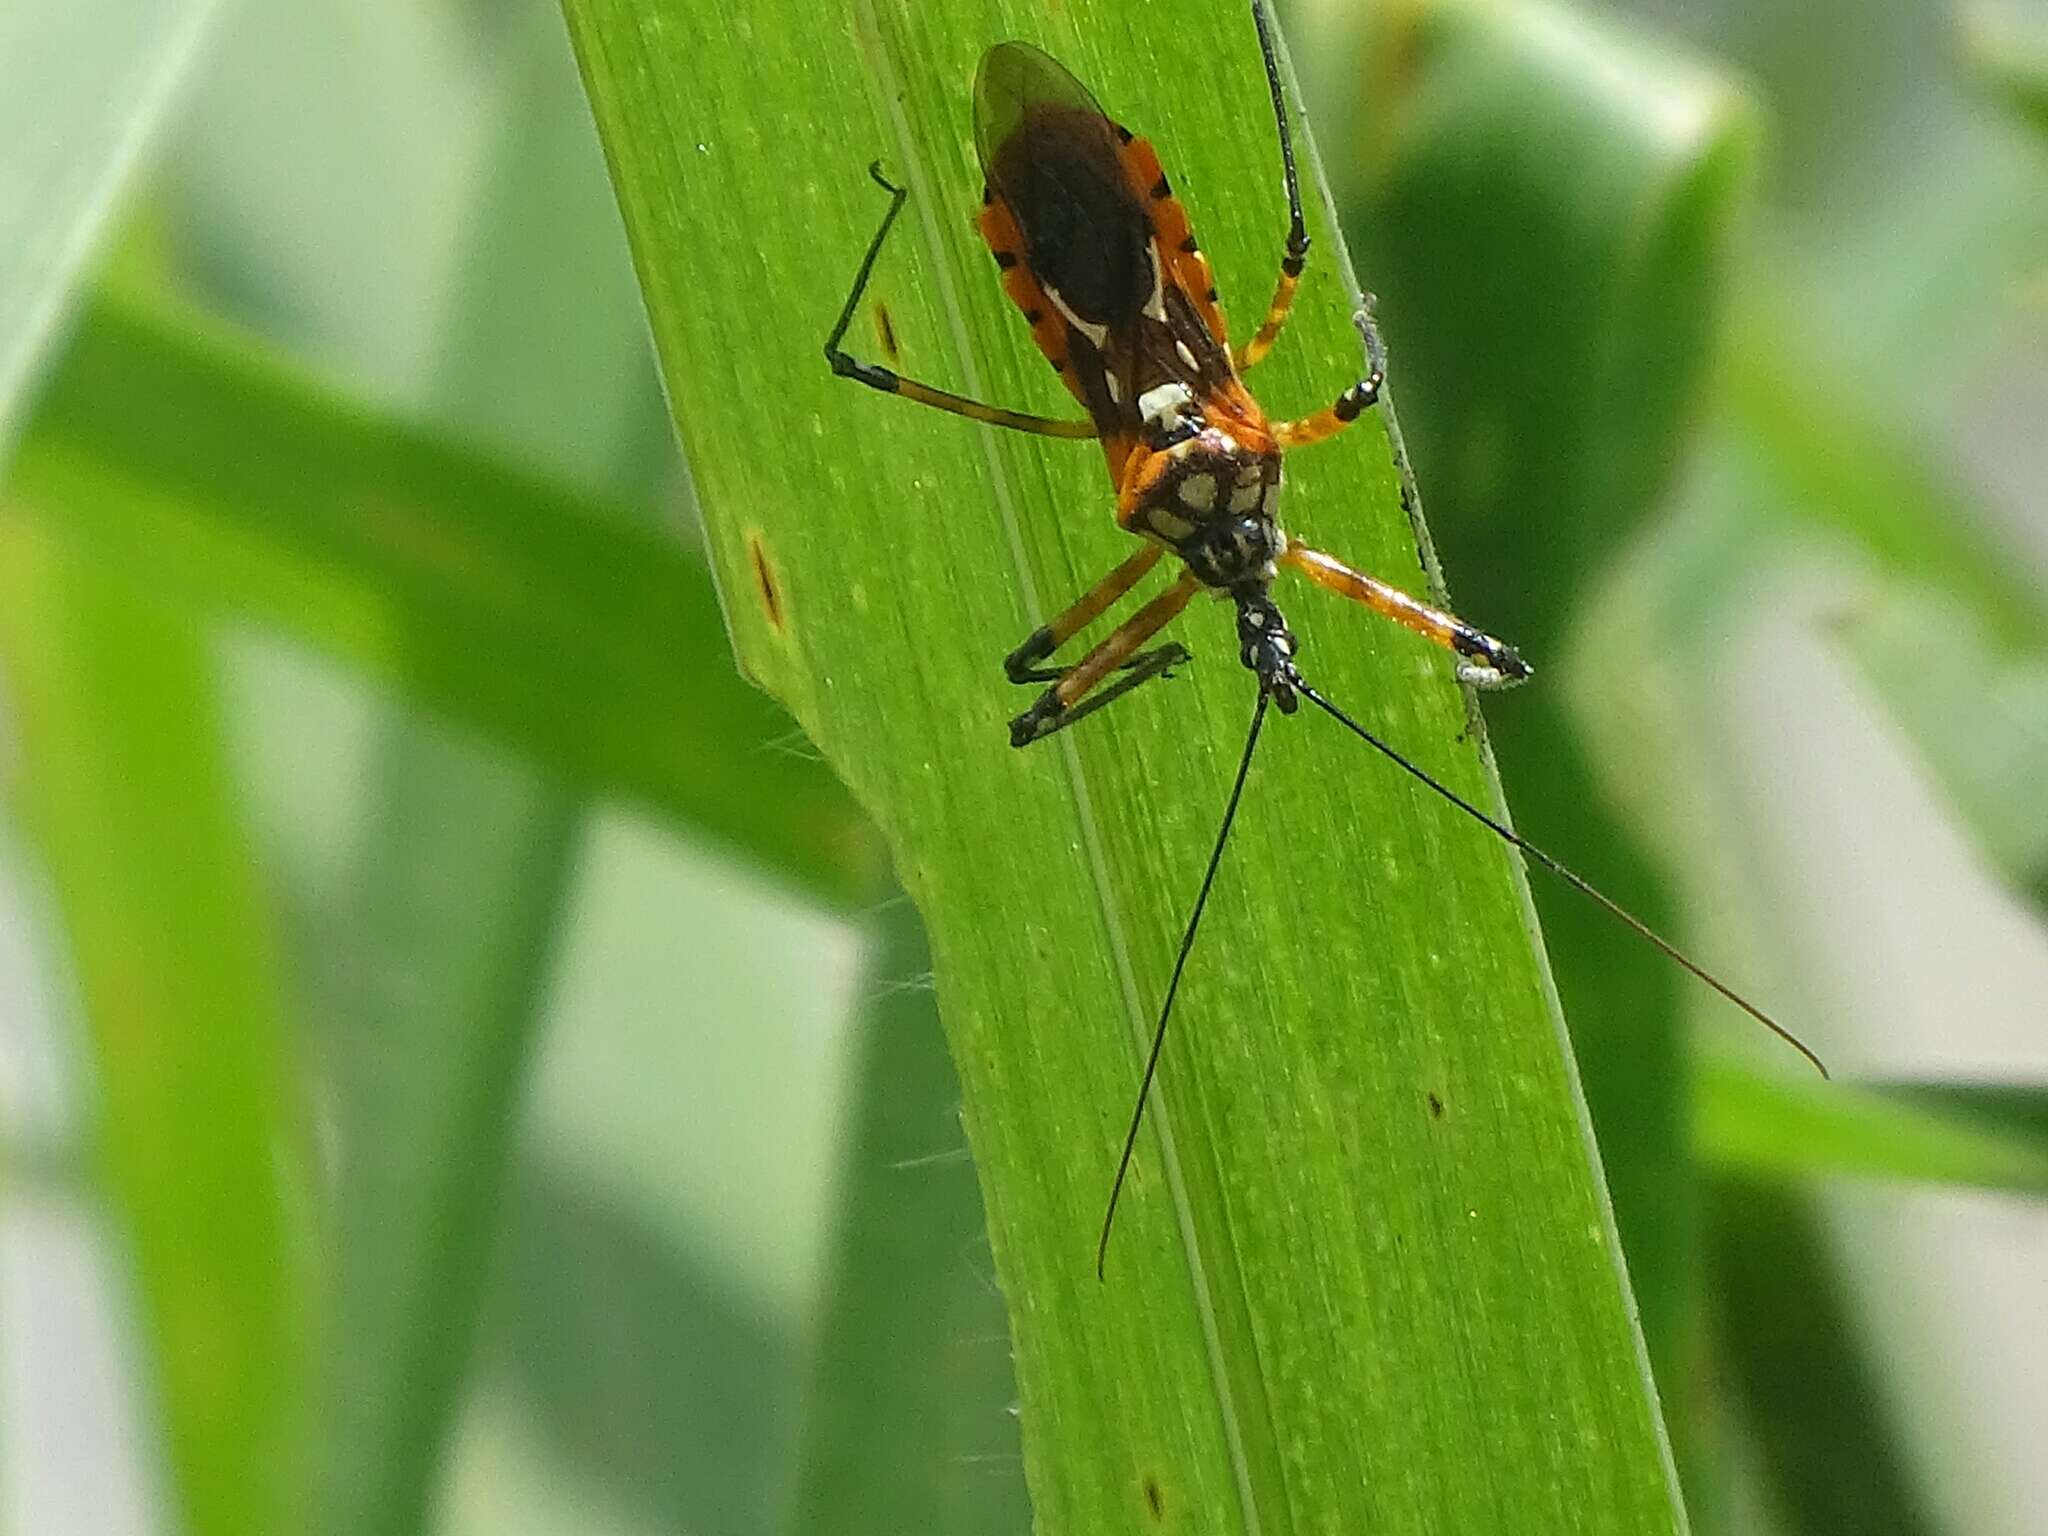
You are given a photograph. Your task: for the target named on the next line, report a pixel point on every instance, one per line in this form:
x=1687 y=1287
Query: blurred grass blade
x=81 y=87
x=1364 y=1277
x=1546 y=203
x=2010 y=57
x=198 y=1123
x=1751 y=1124
x=2016 y=1110
x=447 y=941
x=1829 y=460
x=1977 y=716
x=1799 y=494
x=587 y=645
x=908 y=1426
x=1817 y=1423
x=631 y=1352
x=443 y=955
x=1550 y=202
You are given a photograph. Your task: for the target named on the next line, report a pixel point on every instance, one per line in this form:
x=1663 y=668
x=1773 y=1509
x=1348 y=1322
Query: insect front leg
x=1354 y=402
x=1295 y=258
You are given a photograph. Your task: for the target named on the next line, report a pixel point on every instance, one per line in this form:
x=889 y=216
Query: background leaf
x=470 y=588
x=82 y=88
x=1797 y=1362
x=910 y=1423
x=2011 y=58
x=454 y=911
x=135 y=819
x=1756 y=1125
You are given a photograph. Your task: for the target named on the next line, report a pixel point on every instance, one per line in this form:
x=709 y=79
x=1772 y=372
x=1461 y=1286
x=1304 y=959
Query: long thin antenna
x=1583 y=887
x=1187 y=943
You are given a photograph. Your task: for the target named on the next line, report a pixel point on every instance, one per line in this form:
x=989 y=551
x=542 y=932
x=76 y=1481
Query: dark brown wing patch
x=1094 y=248
x=1050 y=153
x=1173 y=238
x=1054 y=337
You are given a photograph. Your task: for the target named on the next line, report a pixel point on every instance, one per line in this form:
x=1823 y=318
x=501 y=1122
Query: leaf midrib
x=1137 y=1019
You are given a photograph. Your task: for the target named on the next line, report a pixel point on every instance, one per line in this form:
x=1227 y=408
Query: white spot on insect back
x=1245 y=497
x=1187 y=356
x=1198 y=492
x=1165 y=405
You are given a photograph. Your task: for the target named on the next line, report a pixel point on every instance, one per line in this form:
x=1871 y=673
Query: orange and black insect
x=1097 y=252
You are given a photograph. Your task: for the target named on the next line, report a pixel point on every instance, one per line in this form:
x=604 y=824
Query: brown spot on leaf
x=885 y=332
x=767 y=586
x=1436 y=1106
x=1155 y=1499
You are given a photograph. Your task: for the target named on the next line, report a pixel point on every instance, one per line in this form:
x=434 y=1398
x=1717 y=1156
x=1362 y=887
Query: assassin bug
x=1097 y=252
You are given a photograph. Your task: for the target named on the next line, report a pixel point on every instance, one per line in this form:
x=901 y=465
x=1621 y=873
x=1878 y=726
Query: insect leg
x=1021 y=665
x=1350 y=405
x=1033 y=725
x=1296 y=255
x=891 y=383
x=1073 y=697
x=1484 y=661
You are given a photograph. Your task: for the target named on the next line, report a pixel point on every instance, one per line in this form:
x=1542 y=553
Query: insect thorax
x=1213 y=505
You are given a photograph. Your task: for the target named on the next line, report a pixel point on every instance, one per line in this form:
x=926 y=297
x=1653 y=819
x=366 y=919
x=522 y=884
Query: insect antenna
x=1583 y=886
x=1187 y=944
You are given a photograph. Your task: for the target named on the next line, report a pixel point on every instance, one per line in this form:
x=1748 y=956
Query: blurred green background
x=435 y=1093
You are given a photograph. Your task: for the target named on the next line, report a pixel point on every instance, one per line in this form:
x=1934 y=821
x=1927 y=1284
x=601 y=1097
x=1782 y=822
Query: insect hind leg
x=888 y=381
x=1483 y=661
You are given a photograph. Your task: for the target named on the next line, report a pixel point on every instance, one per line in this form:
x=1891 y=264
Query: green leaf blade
x=199 y=1132
x=1755 y=1127
x=1326 y=1307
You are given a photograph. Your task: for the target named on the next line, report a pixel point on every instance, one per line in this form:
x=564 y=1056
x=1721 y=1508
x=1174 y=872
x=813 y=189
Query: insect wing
x=1053 y=157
